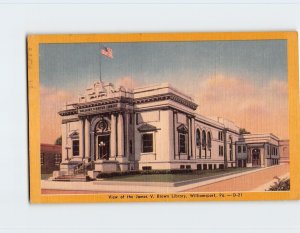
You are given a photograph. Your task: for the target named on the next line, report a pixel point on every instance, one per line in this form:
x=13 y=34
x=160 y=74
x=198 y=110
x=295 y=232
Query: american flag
x=107 y=52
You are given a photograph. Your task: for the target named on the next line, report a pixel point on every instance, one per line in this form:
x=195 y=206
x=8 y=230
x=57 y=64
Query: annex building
x=154 y=127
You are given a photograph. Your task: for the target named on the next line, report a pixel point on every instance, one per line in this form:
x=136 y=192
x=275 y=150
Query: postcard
x=163 y=117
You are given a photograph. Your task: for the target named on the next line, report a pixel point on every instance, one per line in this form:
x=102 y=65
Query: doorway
x=256 y=157
x=103 y=145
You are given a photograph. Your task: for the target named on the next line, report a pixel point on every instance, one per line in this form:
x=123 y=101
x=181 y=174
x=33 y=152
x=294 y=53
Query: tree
x=244 y=131
x=58 y=141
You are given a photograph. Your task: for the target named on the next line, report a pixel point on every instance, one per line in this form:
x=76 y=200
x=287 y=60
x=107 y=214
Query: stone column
x=176 y=147
x=262 y=157
x=113 y=136
x=120 y=135
x=81 y=138
x=92 y=146
x=249 y=155
x=189 y=137
x=193 y=138
x=87 y=138
x=127 y=134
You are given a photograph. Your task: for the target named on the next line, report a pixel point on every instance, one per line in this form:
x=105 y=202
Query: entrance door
x=103 y=146
x=255 y=157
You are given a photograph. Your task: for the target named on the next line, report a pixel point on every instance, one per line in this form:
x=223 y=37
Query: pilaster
x=120 y=135
x=81 y=138
x=113 y=136
x=87 y=138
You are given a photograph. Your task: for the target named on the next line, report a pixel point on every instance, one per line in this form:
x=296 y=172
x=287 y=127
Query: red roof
x=50 y=148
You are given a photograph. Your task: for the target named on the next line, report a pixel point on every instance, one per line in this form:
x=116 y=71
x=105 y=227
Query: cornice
x=68 y=112
x=114 y=100
x=168 y=96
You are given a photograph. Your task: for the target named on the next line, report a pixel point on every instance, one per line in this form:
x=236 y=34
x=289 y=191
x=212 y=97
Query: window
x=147 y=142
x=75 y=147
x=57 y=159
x=220 y=136
x=182 y=166
x=231 y=148
x=130 y=118
x=42 y=159
x=239 y=149
x=146 y=168
x=268 y=149
x=198 y=140
x=244 y=149
x=203 y=138
x=209 y=140
x=221 y=150
x=182 y=143
x=130 y=146
x=188 y=167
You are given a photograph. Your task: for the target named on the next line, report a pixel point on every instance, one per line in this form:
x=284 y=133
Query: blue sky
x=243 y=81
x=75 y=66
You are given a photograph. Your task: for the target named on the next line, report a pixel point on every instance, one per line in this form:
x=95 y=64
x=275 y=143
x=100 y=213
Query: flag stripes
x=107 y=52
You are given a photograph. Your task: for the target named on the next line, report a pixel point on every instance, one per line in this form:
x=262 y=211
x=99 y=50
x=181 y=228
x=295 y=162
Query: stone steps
x=72 y=178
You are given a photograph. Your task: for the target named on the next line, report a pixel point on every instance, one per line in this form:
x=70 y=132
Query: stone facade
x=153 y=127
x=261 y=150
x=284 y=151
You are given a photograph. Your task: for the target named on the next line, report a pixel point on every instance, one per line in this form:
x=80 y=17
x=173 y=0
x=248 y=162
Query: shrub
x=280 y=185
x=142 y=172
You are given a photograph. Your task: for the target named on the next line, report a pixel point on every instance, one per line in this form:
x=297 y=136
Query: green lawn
x=179 y=177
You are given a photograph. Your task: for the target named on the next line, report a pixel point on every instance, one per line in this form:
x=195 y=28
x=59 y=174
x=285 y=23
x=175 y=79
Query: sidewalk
x=246 y=181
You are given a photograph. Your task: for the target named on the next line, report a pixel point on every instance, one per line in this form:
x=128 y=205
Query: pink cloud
x=258 y=108
x=126 y=82
x=52 y=101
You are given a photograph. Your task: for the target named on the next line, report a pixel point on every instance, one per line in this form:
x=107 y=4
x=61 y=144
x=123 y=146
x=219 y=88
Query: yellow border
x=33 y=42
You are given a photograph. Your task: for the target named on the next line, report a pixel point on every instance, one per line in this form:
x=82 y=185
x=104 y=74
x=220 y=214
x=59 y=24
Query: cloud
x=52 y=101
x=126 y=82
x=258 y=108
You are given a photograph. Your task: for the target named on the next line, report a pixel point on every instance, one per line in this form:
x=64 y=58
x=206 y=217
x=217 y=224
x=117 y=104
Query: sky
x=243 y=81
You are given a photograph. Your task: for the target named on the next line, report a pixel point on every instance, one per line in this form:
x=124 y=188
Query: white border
x=19 y=18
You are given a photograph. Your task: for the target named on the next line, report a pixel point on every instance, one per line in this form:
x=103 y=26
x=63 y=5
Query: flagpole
x=100 y=62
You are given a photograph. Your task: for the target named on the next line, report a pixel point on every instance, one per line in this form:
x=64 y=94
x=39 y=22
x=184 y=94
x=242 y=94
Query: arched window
x=198 y=139
x=203 y=138
x=209 y=140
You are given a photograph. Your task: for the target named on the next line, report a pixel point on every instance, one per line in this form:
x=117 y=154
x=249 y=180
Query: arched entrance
x=101 y=138
x=103 y=142
x=256 y=157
